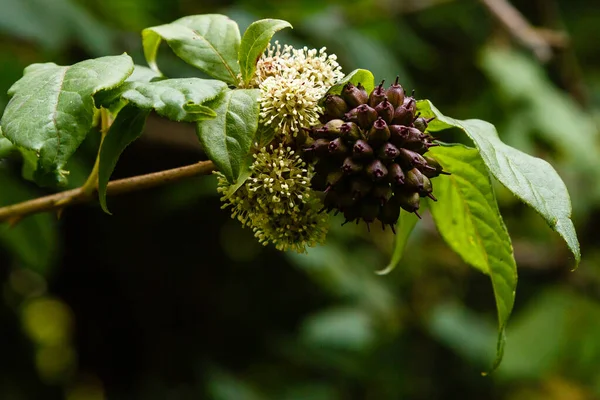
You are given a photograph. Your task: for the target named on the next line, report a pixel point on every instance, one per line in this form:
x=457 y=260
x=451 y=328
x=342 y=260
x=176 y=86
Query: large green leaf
x=52 y=109
x=531 y=179
x=254 y=42
x=404 y=227
x=126 y=128
x=209 y=42
x=362 y=76
x=227 y=138
x=176 y=99
x=467 y=216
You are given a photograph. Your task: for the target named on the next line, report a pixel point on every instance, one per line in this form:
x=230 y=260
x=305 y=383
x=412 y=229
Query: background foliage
x=170 y=299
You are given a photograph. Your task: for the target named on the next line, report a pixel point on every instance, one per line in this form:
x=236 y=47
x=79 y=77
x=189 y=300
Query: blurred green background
x=171 y=299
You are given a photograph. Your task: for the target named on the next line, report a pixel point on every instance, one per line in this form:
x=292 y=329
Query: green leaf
x=127 y=127
x=264 y=135
x=112 y=99
x=208 y=42
x=467 y=216
x=362 y=76
x=143 y=74
x=531 y=179
x=244 y=174
x=34 y=240
x=254 y=42
x=404 y=227
x=176 y=99
x=29 y=166
x=52 y=109
x=227 y=138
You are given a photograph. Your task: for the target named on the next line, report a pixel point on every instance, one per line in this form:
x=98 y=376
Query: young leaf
x=362 y=76
x=208 y=42
x=126 y=128
x=52 y=109
x=531 y=179
x=176 y=99
x=255 y=40
x=467 y=216
x=227 y=138
x=404 y=227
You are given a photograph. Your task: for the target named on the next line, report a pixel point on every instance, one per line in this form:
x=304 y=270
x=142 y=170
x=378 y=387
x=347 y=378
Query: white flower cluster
x=292 y=81
x=276 y=201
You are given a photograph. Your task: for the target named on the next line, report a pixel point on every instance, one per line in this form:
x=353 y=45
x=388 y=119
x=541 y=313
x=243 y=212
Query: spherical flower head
x=276 y=201
x=243 y=205
x=280 y=180
x=292 y=81
x=310 y=64
x=288 y=104
x=316 y=66
x=297 y=230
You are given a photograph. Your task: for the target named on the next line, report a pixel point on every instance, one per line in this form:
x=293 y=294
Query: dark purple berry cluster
x=369 y=154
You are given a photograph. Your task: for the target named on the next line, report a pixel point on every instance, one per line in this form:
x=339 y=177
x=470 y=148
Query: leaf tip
x=499 y=351
x=103 y=205
x=576 y=266
x=386 y=270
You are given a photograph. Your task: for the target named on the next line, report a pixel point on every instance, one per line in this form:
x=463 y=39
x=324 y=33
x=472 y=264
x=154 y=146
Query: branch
x=56 y=202
x=539 y=41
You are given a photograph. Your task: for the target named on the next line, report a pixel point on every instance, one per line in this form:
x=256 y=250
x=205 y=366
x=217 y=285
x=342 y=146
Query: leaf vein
x=233 y=76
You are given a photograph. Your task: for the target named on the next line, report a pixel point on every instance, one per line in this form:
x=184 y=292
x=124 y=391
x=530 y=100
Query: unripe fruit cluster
x=369 y=154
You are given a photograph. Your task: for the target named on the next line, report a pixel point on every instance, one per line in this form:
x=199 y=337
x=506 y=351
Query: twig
x=58 y=201
x=540 y=42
